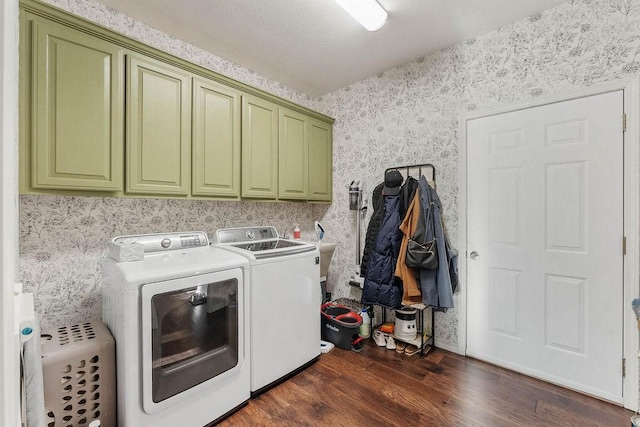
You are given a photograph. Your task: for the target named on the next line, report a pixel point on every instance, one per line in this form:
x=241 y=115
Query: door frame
x=631 y=227
x=9 y=344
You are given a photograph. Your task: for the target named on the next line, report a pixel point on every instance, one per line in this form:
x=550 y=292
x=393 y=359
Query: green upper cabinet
x=76 y=110
x=158 y=128
x=259 y=148
x=102 y=114
x=293 y=156
x=320 y=161
x=216 y=140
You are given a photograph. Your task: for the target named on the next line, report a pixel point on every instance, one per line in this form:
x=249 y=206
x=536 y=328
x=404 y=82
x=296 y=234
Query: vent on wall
x=78 y=364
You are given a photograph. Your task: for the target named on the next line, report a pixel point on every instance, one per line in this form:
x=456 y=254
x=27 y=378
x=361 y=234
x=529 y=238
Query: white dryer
x=285 y=302
x=178 y=313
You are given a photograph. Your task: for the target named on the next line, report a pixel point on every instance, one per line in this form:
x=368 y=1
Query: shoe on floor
x=411 y=350
x=391 y=343
x=400 y=346
x=380 y=338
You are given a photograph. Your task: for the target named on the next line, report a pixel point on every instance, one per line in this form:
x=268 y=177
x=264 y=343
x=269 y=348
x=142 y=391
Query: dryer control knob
x=165 y=243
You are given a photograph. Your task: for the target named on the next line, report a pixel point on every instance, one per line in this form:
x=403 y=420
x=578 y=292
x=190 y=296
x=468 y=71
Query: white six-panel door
x=545 y=230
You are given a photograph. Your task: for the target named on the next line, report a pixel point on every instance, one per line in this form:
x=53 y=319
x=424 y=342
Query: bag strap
x=429 y=217
x=426 y=217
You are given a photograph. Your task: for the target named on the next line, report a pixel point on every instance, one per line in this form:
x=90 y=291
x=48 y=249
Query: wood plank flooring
x=380 y=387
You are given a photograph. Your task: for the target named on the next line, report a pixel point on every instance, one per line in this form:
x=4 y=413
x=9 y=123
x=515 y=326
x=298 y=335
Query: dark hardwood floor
x=380 y=387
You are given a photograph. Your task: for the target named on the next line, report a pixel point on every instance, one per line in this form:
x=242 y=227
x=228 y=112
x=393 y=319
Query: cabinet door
x=293 y=156
x=77 y=110
x=320 y=161
x=259 y=148
x=158 y=128
x=216 y=140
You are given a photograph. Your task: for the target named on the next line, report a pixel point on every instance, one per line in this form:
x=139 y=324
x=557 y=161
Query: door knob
x=474 y=255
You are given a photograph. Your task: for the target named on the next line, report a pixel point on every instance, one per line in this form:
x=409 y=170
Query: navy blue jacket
x=380 y=284
x=373 y=228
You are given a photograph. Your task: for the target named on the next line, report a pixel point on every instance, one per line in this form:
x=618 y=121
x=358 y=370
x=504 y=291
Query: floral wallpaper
x=63 y=240
x=405 y=115
x=408 y=115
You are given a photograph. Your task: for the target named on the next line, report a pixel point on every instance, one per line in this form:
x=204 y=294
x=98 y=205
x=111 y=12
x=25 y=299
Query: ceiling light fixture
x=367 y=12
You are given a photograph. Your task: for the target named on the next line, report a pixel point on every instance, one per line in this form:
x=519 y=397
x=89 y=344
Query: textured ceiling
x=313 y=45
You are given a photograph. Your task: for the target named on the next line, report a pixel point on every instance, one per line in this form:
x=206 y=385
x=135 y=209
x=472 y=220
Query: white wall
x=9 y=393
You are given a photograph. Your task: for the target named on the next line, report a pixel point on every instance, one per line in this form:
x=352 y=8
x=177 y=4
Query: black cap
x=392 y=182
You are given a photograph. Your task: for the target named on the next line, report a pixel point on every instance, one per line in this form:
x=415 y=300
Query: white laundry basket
x=79 y=375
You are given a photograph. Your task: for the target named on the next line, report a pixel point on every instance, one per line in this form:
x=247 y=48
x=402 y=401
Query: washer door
x=192 y=335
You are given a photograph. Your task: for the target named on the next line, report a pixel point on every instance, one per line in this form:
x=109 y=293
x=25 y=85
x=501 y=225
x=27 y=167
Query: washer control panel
x=245 y=234
x=166 y=241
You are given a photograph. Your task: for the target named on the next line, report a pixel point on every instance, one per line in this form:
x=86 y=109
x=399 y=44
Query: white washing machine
x=177 y=312
x=284 y=303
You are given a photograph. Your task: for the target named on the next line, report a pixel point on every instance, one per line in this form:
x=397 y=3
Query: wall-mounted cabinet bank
x=104 y=115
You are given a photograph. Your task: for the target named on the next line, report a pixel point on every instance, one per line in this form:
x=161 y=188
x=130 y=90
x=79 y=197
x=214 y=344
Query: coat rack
x=428 y=168
x=426 y=342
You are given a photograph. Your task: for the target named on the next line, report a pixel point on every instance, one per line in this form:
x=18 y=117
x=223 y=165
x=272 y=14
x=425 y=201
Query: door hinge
x=624 y=367
x=624 y=245
x=624 y=122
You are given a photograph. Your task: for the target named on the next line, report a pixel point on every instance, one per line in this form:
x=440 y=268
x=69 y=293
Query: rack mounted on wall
x=423 y=341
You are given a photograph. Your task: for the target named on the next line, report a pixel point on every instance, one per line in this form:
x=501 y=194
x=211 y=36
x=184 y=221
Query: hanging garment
x=410 y=277
x=407 y=191
x=428 y=278
x=373 y=227
x=452 y=256
x=437 y=285
x=380 y=284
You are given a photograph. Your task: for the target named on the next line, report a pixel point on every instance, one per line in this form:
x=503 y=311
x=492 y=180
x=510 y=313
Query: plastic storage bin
x=79 y=375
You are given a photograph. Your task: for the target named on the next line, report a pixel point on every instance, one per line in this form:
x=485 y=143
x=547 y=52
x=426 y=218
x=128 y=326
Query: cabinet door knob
x=474 y=255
